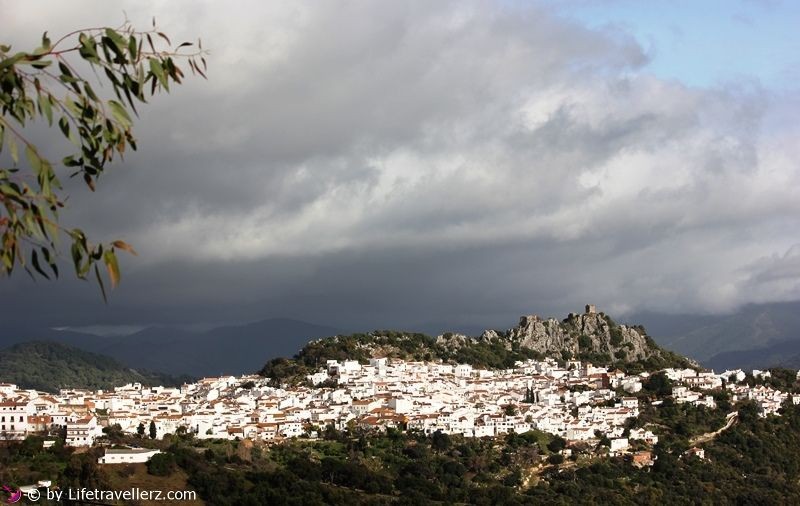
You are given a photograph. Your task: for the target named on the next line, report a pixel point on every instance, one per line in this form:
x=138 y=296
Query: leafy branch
x=45 y=84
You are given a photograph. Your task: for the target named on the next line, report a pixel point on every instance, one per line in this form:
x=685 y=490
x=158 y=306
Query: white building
x=14 y=418
x=82 y=432
x=127 y=456
x=463 y=370
x=619 y=444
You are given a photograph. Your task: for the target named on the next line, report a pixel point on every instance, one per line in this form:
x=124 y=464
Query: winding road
x=732 y=418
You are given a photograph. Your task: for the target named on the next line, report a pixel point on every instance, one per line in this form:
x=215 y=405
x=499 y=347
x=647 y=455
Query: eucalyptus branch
x=99 y=127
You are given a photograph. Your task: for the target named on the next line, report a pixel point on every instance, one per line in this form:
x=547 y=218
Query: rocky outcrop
x=452 y=341
x=489 y=335
x=579 y=334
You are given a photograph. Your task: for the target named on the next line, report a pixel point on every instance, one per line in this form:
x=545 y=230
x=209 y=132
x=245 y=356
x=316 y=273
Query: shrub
x=161 y=464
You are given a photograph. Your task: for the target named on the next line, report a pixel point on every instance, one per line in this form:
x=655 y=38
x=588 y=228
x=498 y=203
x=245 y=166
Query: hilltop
x=50 y=366
x=591 y=336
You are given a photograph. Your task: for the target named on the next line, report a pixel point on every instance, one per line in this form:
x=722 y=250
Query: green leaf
x=77 y=259
x=48 y=257
x=89 y=91
x=119 y=41
x=120 y=114
x=88 y=49
x=65 y=71
x=8 y=190
x=73 y=107
x=158 y=71
x=46 y=108
x=35 y=262
x=132 y=48
x=100 y=282
x=63 y=124
x=110 y=259
x=7 y=62
x=41 y=64
x=34 y=159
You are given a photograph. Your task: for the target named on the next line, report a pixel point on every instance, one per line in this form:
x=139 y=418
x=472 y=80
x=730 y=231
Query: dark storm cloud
x=388 y=163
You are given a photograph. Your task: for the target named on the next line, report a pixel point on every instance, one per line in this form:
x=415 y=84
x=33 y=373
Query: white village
x=574 y=400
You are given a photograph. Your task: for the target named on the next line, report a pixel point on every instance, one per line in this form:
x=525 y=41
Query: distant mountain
x=224 y=350
x=233 y=349
x=755 y=336
x=782 y=354
x=50 y=366
x=13 y=335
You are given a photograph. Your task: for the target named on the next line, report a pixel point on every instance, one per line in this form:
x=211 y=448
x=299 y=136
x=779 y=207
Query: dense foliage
x=50 y=366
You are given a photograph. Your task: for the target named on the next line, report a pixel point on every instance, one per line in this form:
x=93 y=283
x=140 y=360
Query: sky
x=392 y=164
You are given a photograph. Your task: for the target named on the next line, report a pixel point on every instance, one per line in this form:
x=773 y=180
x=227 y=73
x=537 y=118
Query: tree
x=140 y=430
x=440 y=441
x=557 y=444
x=161 y=464
x=114 y=433
x=152 y=430
x=47 y=84
x=658 y=384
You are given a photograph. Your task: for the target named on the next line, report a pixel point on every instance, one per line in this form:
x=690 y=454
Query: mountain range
x=755 y=336
x=231 y=349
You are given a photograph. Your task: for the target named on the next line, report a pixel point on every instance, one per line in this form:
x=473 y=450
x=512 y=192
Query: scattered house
x=619 y=444
x=127 y=456
x=643 y=435
x=642 y=458
x=696 y=451
x=734 y=376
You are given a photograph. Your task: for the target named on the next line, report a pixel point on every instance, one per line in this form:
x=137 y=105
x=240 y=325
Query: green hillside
x=50 y=366
x=496 y=352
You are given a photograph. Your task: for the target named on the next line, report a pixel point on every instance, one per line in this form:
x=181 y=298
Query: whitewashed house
x=127 y=456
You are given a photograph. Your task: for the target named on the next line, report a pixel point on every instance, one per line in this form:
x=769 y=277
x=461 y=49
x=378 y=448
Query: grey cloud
x=400 y=162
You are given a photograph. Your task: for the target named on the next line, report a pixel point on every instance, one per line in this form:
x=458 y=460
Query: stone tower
x=590 y=309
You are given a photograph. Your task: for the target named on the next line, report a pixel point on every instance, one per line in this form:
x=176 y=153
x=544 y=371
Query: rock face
x=590 y=332
x=452 y=341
